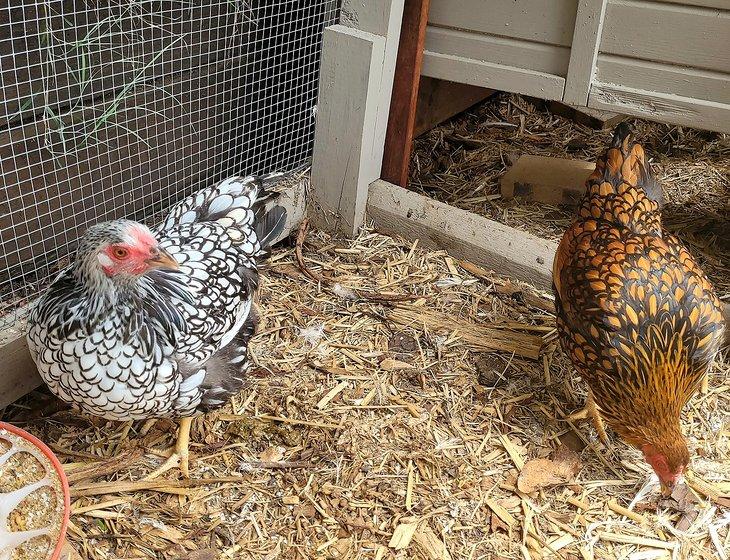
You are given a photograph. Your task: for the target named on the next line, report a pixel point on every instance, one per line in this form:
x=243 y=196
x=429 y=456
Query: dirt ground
x=404 y=405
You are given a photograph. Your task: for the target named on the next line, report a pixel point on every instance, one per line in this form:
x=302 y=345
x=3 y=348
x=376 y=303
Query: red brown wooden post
x=399 y=136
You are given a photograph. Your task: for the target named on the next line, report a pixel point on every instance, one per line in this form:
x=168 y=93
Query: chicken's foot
x=179 y=457
x=590 y=410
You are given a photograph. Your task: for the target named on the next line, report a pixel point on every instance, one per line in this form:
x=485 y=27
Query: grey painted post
x=356 y=80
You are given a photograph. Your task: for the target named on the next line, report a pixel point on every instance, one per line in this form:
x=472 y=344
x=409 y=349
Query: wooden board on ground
x=551 y=180
x=18 y=375
x=439 y=100
x=587 y=116
x=516 y=254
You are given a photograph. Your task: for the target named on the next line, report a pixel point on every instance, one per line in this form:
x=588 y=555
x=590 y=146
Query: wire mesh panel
x=119 y=108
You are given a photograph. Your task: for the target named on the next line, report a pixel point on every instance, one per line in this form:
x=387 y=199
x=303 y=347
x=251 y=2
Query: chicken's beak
x=667 y=489
x=162 y=259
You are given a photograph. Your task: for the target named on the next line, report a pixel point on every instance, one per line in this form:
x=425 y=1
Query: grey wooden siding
x=523 y=45
x=667 y=60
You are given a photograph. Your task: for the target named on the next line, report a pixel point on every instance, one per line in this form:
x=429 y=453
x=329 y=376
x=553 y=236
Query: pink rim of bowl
x=61 y=476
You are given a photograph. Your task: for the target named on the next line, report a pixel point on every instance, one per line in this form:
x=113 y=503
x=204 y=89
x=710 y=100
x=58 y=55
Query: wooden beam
x=587 y=116
x=439 y=100
x=404 y=99
x=345 y=132
x=382 y=18
x=551 y=180
x=517 y=254
x=584 y=50
x=489 y=74
x=356 y=79
x=661 y=107
x=18 y=374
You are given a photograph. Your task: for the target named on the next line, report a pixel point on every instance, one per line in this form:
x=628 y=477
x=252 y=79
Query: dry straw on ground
x=379 y=429
x=462 y=161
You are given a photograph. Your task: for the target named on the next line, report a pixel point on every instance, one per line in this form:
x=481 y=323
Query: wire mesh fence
x=119 y=108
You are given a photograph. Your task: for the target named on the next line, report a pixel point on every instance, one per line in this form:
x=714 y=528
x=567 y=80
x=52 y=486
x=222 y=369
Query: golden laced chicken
x=148 y=324
x=639 y=320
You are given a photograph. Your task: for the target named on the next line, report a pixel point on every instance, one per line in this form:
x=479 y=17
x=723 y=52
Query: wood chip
x=402 y=535
x=542 y=473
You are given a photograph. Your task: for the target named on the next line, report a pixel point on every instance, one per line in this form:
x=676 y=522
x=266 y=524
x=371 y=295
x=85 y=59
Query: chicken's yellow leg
x=183 y=445
x=590 y=410
x=180 y=457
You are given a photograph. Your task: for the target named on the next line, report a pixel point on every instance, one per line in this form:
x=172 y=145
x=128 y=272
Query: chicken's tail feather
x=269 y=225
x=622 y=135
x=243 y=202
x=625 y=162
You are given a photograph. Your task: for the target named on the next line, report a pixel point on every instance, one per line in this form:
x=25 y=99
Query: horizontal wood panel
x=664 y=78
x=494 y=76
x=465 y=235
x=723 y=4
x=661 y=107
x=550 y=59
x=542 y=21
x=691 y=36
x=48 y=69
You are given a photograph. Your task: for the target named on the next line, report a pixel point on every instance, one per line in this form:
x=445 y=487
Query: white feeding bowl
x=34 y=498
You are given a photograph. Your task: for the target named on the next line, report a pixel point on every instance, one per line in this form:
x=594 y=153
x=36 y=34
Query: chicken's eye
x=120 y=252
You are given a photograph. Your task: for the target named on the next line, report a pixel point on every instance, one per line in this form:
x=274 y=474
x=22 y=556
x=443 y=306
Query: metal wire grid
x=120 y=108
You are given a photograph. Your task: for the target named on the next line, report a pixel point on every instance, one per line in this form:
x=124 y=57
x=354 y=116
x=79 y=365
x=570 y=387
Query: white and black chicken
x=147 y=324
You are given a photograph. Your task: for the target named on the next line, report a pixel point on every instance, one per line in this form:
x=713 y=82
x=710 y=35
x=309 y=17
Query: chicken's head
x=122 y=249
x=669 y=459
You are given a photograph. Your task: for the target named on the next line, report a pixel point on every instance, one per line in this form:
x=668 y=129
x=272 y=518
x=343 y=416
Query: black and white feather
x=167 y=343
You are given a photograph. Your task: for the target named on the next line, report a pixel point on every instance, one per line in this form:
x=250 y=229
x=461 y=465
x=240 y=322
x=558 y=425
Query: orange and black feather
x=638 y=318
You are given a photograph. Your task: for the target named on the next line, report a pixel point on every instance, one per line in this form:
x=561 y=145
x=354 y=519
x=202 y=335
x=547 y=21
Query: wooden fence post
x=356 y=80
x=401 y=122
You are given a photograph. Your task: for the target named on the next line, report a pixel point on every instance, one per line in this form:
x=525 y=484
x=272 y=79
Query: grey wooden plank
x=380 y=17
x=514 y=253
x=550 y=59
x=662 y=107
x=356 y=81
x=543 y=21
x=663 y=78
x=494 y=76
x=349 y=90
x=584 y=50
x=691 y=36
x=383 y=18
x=723 y=4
